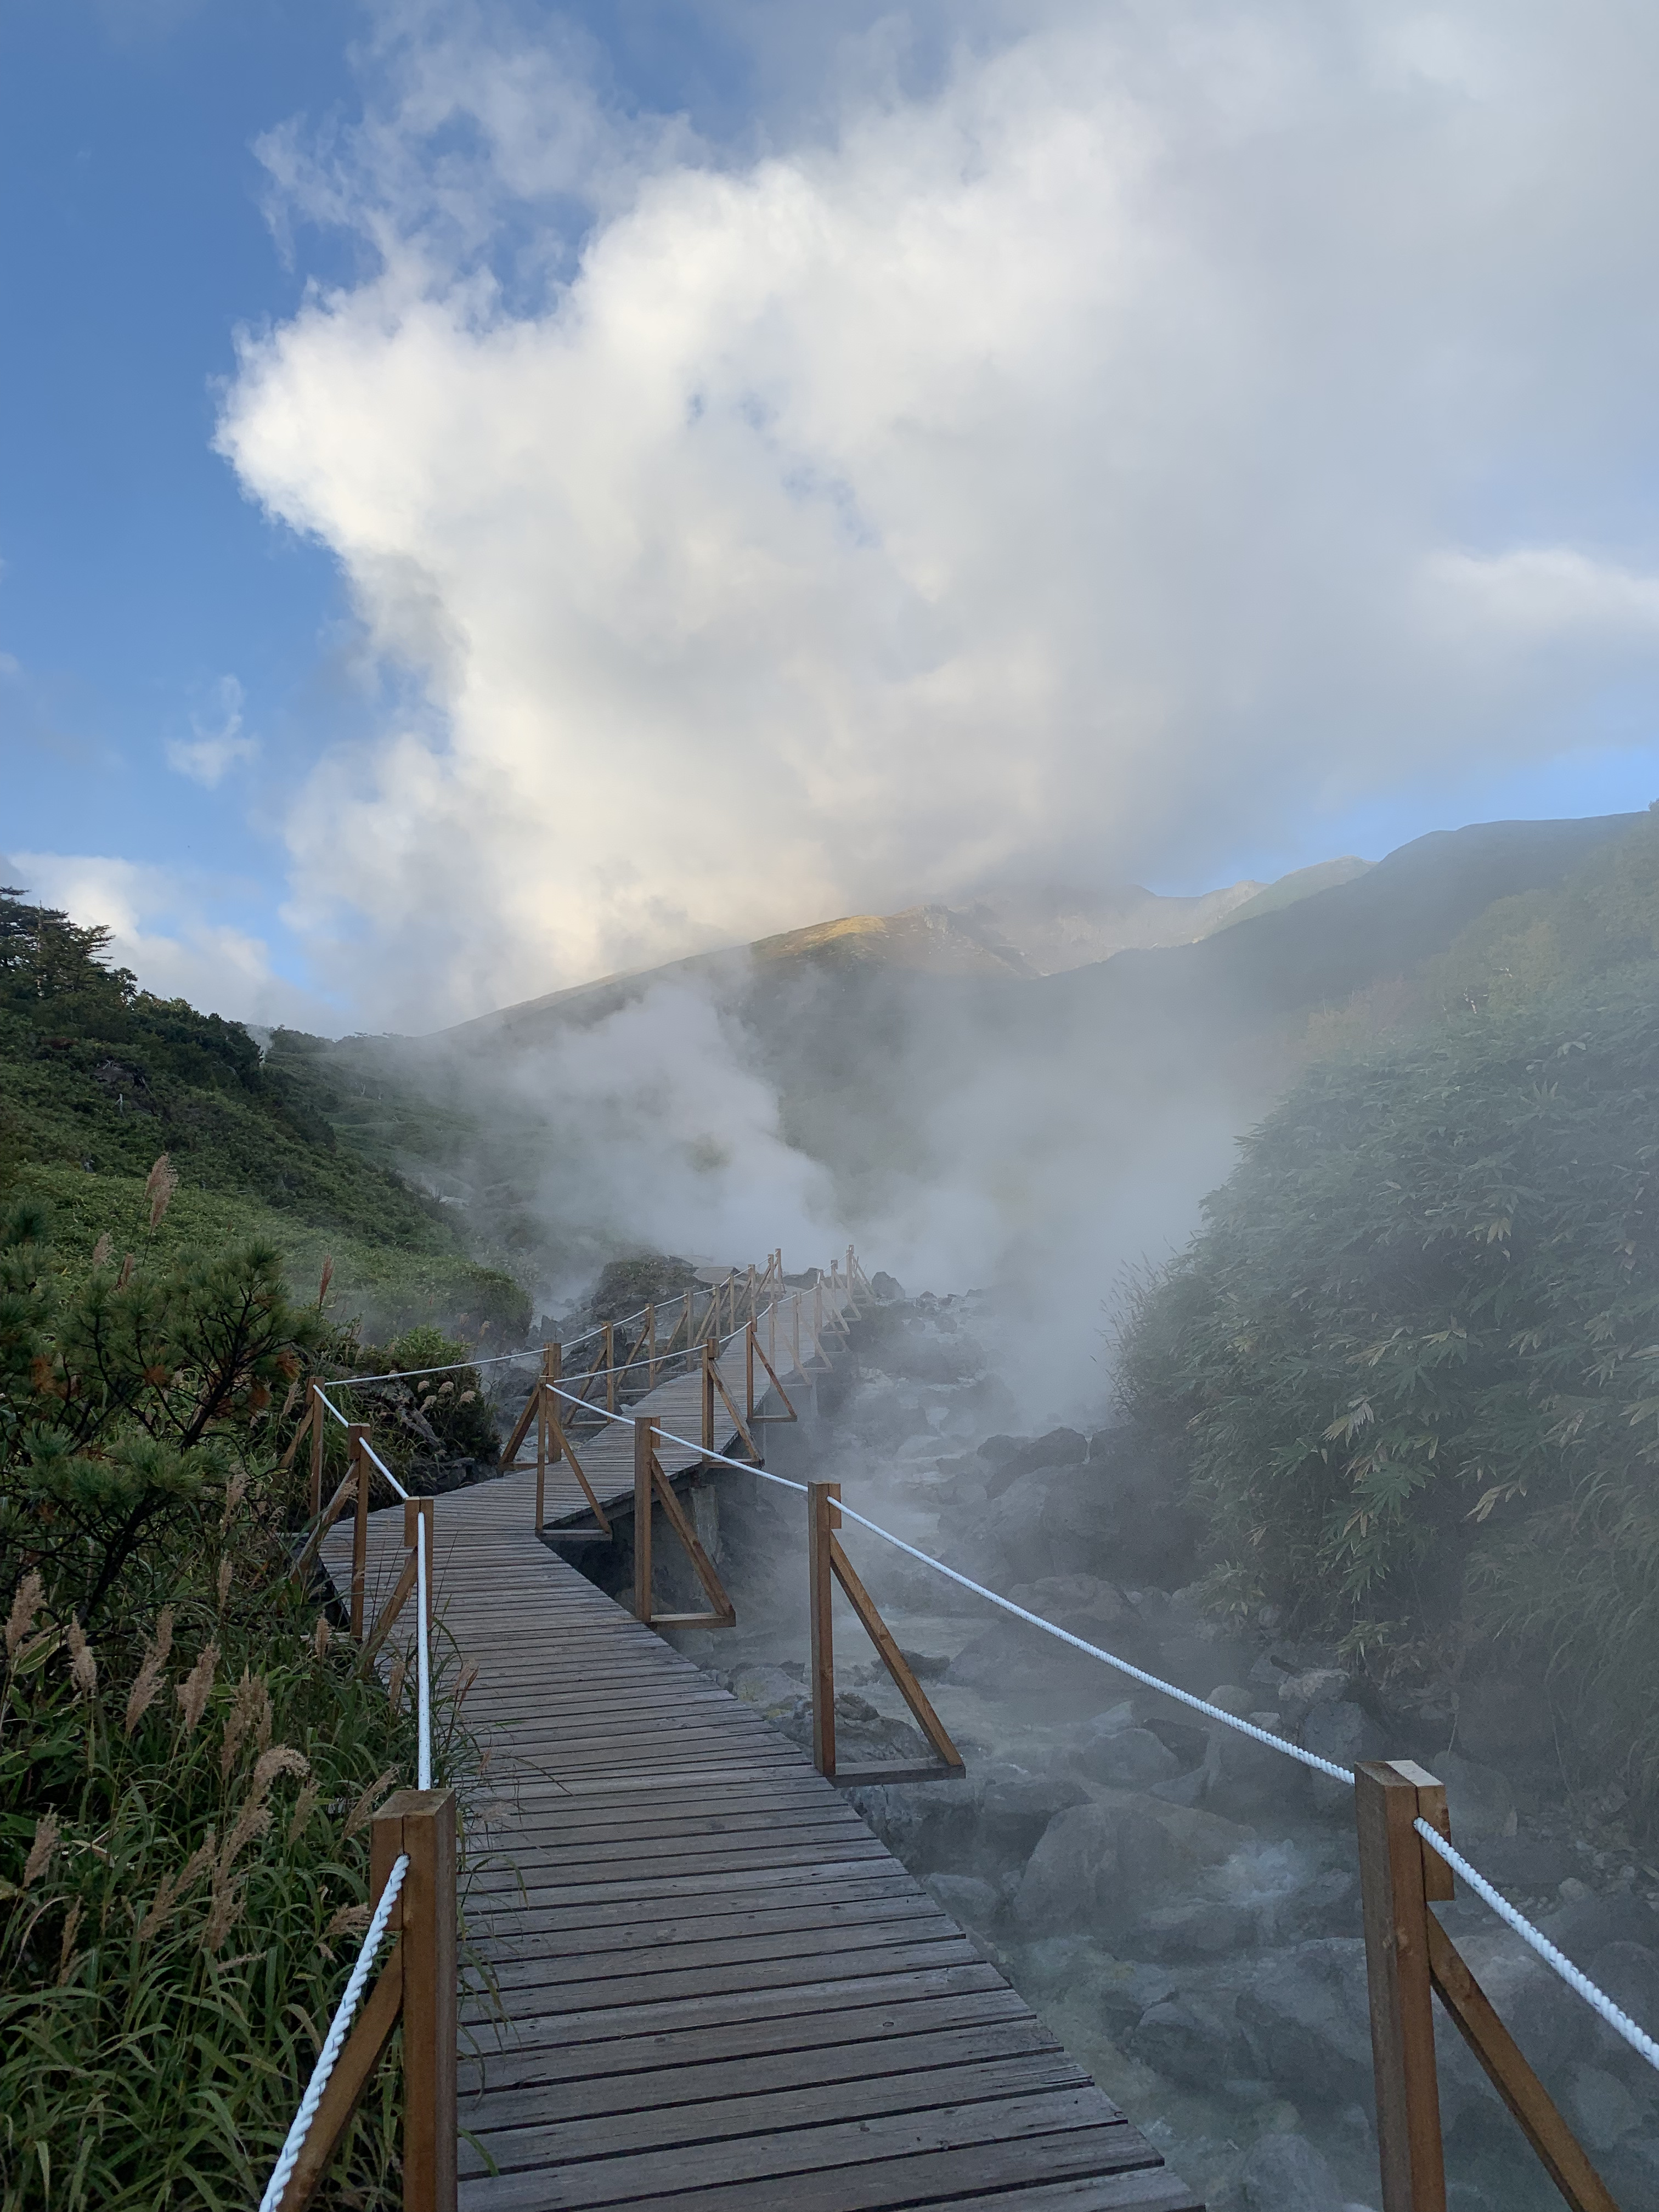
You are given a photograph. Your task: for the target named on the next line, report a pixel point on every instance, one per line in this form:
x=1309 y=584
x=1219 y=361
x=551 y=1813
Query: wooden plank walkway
x=607 y=1454
x=712 y=1989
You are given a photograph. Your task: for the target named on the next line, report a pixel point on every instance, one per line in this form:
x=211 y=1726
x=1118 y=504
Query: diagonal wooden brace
x=828 y=1562
x=652 y=1486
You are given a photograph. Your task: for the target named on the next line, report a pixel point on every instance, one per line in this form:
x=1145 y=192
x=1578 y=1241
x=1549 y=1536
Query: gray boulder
x=1072 y=1877
x=1127 y=1993
x=1308 y=2009
x=973 y=1903
x=1011 y=1657
x=1599 y=2108
x=1478 y=1798
x=1343 y=1733
x=1285 y=2173
x=1013 y=1808
x=1058 y=1447
x=1190 y=2040
x=1047 y=1523
x=1202 y=1929
x=1125 y=1759
x=1241 y=1775
x=1316 y=1686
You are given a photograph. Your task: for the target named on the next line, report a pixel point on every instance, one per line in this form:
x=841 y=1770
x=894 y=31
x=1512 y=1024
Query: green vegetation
x=1413 y=1359
x=188 y=1760
x=97 y=1079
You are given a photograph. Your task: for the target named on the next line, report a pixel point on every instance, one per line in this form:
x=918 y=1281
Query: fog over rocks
x=1179 y=1902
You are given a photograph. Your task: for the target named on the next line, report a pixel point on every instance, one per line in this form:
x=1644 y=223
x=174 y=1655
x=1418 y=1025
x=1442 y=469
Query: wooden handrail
x=418 y=1987
x=1409 y=1954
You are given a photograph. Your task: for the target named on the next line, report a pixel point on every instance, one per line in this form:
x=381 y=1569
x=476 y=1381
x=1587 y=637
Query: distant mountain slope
x=1326 y=946
x=1013 y=932
x=1300 y=883
x=925 y=1050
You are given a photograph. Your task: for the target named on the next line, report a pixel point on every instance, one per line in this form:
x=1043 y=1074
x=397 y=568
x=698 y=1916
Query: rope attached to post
x=334 y=2043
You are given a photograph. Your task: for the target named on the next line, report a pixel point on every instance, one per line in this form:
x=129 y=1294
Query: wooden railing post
x=823 y=1519
x=1394 y=1904
x=541 y=1443
x=423 y=1823
x=358 y=1465
x=1389 y=1796
x=645 y=1449
x=610 y=1367
x=749 y=1364
x=319 y=1418
x=651 y=1347
x=800 y=1369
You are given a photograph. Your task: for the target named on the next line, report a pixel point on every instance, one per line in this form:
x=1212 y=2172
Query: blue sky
x=302 y=689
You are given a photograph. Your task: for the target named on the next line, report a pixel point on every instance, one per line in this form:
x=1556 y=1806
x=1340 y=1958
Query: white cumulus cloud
x=1038 y=468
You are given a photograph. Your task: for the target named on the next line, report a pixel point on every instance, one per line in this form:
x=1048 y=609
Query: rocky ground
x=1180 y=1903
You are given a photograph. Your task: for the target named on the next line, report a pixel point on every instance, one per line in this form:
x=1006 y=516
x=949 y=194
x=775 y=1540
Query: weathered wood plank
x=712 y=1986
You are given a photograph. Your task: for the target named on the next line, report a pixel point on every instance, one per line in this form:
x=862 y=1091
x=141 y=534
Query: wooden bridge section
x=697 y=1981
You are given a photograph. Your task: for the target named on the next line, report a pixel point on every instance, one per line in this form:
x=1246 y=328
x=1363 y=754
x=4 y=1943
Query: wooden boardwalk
x=711 y=1988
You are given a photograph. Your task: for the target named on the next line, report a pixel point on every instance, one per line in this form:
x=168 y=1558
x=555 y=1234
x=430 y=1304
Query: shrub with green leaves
x=1414 y=1358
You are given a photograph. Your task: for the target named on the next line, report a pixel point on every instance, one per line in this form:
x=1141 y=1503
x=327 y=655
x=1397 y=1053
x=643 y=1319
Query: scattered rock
x=1041 y=1524
x=1189 y=2041
x=997 y=1451
x=1285 y=2173
x=1308 y=2009
x=1586 y=1925
x=1127 y=1991
x=886 y=1287
x=1059 y=1448
x=1072 y=1875
x=1478 y=1798
x=1343 y=1733
x=1014 y=1809
x=1202 y=1930
x=1011 y=1655
x=769 y=1687
x=1599 y=2108
x=1525 y=1860
x=1125 y=1759
x=965 y=1898
x=1299 y=1693
x=1629 y=1972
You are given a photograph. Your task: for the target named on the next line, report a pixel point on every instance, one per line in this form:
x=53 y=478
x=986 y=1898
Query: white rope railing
x=500 y=1359
x=334 y=2042
x=1580 y=1983
x=1598 y=2000
x=423 y=1662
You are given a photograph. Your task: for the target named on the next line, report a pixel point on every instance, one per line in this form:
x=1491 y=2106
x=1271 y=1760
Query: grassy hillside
x=97 y=1078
